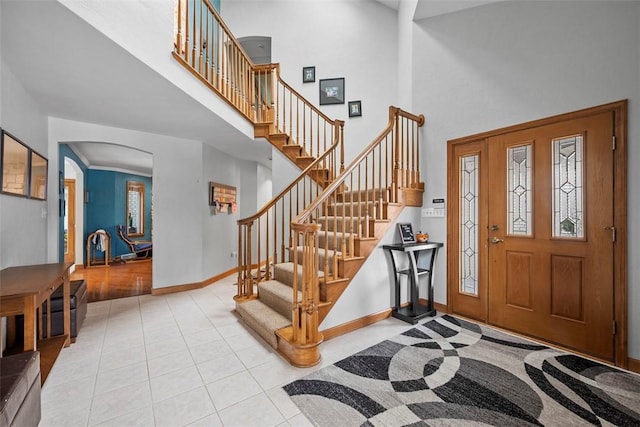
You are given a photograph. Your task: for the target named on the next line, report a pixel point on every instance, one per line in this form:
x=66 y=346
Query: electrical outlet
x=425 y=213
x=234 y=254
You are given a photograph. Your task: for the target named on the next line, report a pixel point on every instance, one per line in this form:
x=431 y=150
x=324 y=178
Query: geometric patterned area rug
x=448 y=371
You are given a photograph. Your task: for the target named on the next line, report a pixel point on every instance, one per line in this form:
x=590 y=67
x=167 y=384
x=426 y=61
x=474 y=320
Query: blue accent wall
x=107 y=206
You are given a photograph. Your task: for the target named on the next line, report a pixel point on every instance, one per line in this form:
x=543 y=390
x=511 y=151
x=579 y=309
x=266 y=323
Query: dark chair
x=141 y=248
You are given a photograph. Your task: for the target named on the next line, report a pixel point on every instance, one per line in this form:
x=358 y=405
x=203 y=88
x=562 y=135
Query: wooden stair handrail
x=205 y=45
x=355 y=191
x=331 y=188
x=295 y=92
x=304 y=174
x=210 y=51
x=246 y=236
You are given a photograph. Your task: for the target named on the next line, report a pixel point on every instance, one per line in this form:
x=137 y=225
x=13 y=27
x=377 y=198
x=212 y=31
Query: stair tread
x=288 y=266
x=338 y=233
x=356 y=202
x=329 y=252
x=322 y=219
x=262 y=319
x=334 y=280
x=279 y=289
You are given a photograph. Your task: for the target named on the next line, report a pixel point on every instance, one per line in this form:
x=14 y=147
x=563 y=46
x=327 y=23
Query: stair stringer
x=295 y=153
x=348 y=268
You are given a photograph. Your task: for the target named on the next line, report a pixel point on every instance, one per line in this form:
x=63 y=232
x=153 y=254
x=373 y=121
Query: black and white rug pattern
x=451 y=372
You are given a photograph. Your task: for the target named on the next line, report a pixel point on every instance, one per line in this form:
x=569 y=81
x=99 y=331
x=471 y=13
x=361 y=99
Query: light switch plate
x=433 y=213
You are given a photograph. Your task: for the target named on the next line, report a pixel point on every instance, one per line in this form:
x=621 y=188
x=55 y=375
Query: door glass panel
x=469 y=176
x=567 y=187
x=519 y=190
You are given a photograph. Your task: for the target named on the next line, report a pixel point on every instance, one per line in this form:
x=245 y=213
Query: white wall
x=372 y=290
x=285 y=171
x=190 y=243
x=406 y=11
x=1 y=66
x=511 y=62
x=22 y=225
x=265 y=185
x=351 y=39
x=221 y=229
x=145 y=28
x=633 y=203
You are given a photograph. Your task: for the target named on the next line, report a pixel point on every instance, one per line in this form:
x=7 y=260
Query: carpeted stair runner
x=272 y=310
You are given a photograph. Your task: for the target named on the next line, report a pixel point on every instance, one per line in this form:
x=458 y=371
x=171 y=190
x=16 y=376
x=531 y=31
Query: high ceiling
x=75 y=72
x=429 y=8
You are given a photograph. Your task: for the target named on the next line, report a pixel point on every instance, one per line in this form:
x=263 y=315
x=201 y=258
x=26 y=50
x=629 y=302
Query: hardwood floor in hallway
x=116 y=281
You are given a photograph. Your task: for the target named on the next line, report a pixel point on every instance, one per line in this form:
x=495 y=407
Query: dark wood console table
x=23 y=291
x=415 y=310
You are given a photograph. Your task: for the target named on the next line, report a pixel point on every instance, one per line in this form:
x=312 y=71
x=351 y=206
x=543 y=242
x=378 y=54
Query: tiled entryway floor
x=181 y=359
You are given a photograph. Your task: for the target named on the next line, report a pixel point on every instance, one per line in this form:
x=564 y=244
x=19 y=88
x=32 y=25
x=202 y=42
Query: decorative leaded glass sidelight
x=519 y=190
x=567 y=187
x=469 y=176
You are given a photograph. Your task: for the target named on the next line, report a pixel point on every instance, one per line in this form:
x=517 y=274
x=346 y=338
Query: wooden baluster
x=295 y=309
x=249 y=261
x=178 y=42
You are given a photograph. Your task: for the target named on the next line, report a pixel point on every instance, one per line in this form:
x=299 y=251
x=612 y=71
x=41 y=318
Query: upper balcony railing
x=207 y=48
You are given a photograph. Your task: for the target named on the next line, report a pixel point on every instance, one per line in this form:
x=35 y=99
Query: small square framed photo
x=308 y=74
x=355 y=108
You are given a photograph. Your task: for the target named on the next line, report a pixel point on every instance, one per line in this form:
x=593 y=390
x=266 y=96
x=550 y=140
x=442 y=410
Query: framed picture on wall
x=308 y=74
x=38 y=177
x=355 y=108
x=15 y=166
x=332 y=91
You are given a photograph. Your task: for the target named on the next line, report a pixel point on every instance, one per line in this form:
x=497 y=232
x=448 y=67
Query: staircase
x=299 y=253
x=306 y=250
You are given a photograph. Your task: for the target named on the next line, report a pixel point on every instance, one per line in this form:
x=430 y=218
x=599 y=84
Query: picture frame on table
x=405 y=229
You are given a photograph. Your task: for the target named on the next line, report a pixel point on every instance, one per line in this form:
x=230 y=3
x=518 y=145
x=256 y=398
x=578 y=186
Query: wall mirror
x=15 y=166
x=38 y=180
x=135 y=208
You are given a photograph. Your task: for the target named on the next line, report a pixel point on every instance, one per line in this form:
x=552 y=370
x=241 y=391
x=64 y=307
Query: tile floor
x=180 y=359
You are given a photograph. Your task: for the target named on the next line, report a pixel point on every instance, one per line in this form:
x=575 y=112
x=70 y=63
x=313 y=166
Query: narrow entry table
x=24 y=289
x=415 y=310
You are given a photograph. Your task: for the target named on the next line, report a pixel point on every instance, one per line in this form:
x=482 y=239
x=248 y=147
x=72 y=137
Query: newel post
x=245 y=278
x=305 y=311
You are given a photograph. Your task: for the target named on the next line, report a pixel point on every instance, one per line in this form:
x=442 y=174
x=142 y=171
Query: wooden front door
x=70 y=220
x=550 y=246
x=541 y=259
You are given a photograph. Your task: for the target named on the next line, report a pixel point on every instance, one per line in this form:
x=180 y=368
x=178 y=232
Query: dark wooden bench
x=78 y=302
x=20 y=390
